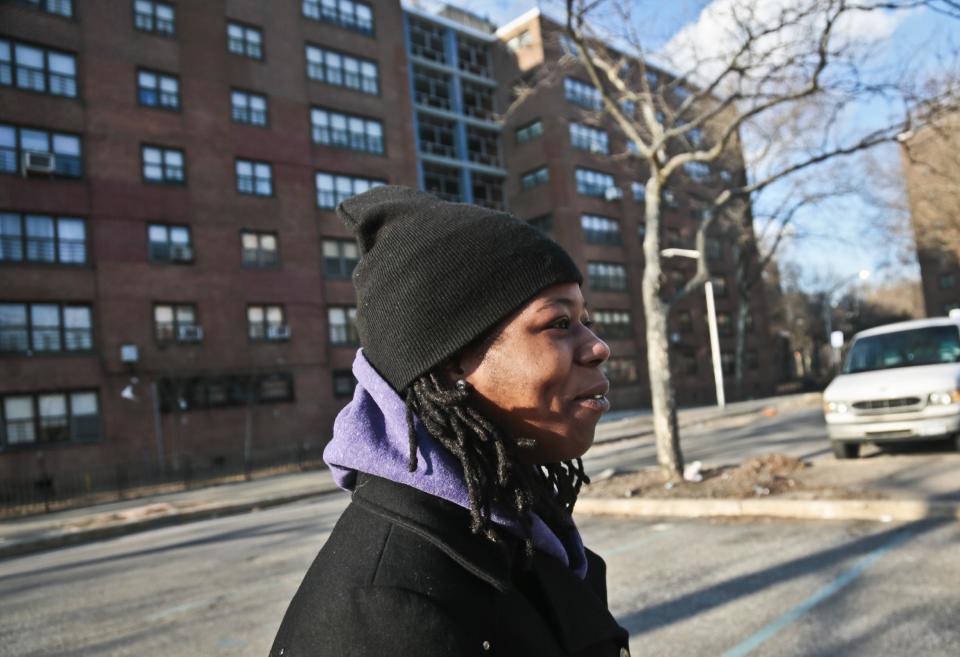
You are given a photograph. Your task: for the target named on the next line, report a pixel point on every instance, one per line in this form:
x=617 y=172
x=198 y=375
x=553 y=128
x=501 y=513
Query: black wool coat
x=402 y=575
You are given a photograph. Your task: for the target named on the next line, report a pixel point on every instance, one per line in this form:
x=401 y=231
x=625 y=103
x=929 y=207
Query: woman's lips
x=597 y=404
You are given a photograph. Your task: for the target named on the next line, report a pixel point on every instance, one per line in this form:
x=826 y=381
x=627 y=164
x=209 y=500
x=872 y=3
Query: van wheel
x=846 y=450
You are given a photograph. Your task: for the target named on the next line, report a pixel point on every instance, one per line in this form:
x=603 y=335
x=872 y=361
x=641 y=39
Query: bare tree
x=784 y=78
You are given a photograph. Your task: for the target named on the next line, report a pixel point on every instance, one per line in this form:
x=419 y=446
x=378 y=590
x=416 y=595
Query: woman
x=478 y=390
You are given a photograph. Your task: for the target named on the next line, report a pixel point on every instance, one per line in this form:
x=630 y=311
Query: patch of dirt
x=761 y=476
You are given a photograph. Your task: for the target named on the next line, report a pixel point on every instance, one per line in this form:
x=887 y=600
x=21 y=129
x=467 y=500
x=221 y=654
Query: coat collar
x=576 y=608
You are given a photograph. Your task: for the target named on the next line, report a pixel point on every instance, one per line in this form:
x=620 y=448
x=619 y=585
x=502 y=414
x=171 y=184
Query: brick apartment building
x=176 y=288
x=932 y=172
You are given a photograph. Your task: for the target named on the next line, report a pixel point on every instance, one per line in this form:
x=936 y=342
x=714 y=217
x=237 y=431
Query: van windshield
x=922 y=346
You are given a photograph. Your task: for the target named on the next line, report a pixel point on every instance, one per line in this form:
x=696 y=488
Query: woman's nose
x=594 y=351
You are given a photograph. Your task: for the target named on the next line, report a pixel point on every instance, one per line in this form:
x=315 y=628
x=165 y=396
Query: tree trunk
x=663 y=400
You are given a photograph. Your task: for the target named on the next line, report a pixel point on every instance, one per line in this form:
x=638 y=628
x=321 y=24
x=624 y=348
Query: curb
x=68 y=538
x=875 y=510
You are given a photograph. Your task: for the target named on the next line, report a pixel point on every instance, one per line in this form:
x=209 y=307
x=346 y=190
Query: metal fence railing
x=46 y=492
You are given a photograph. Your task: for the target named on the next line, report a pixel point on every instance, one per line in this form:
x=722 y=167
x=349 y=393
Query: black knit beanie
x=433 y=276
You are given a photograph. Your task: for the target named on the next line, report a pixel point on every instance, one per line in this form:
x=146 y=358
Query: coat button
x=486 y=645
x=624 y=652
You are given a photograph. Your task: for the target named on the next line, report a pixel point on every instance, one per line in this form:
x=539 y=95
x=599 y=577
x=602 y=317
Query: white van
x=899 y=382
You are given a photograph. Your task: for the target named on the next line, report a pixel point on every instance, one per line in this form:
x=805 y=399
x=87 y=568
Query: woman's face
x=539 y=378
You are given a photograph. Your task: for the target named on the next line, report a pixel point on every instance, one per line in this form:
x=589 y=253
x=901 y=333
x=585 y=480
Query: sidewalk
x=75 y=526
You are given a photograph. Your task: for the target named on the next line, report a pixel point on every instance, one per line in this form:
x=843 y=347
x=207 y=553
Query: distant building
x=176 y=285
x=932 y=171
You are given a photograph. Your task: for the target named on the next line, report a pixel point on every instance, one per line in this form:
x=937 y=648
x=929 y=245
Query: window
x=534 y=178
x=38 y=69
x=342 y=70
x=436 y=136
x=719 y=287
x=431 y=88
x=50 y=417
x=356 y=16
x=176 y=323
x=477 y=100
x=752 y=359
x=245 y=40
x=158 y=90
x=59 y=7
x=727 y=363
x=529 y=131
x=568 y=46
x=28 y=150
x=947 y=281
x=258 y=249
x=163 y=165
x=426 y=40
x=473 y=56
x=442 y=181
x=674 y=237
x=42 y=238
x=45 y=327
x=483 y=146
x=152 y=16
x=589 y=138
x=628 y=107
x=487 y=190
x=169 y=243
x=600 y=230
x=520 y=41
x=254 y=178
x=639 y=190
x=344 y=383
x=339 y=258
x=343 y=325
x=347 y=131
x=582 y=94
x=246 y=107
x=333 y=188
x=651 y=79
x=593 y=183
x=199 y=393
x=620 y=370
x=267 y=323
x=684 y=321
x=669 y=199
x=724 y=324
x=698 y=171
x=607 y=276
x=612 y=324
x=641 y=230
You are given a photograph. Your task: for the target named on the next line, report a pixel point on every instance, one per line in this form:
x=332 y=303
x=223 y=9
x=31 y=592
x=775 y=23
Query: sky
x=838 y=240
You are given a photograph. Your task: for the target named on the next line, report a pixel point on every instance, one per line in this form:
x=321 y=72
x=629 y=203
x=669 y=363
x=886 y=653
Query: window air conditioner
x=278 y=332
x=39 y=162
x=190 y=333
x=181 y=252
x=613 y=193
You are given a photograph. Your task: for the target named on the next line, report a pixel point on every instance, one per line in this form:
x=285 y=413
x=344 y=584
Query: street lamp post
x=861 y=275
x=711 y=323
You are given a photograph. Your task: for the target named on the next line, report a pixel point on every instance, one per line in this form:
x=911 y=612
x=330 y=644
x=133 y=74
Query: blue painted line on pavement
x=841 y=581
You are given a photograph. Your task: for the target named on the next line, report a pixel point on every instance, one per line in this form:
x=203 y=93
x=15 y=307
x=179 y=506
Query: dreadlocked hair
x=494 y=473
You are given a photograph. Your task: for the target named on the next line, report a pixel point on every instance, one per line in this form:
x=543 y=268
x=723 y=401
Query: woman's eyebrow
x=559 y=301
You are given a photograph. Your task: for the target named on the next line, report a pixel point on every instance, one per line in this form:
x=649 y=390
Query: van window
x=923 y=346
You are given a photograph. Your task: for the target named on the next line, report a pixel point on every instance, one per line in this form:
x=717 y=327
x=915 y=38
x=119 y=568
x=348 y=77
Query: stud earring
x=462 y=385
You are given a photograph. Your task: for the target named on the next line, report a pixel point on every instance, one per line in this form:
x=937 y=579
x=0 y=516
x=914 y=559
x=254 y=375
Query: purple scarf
x=370 y=435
